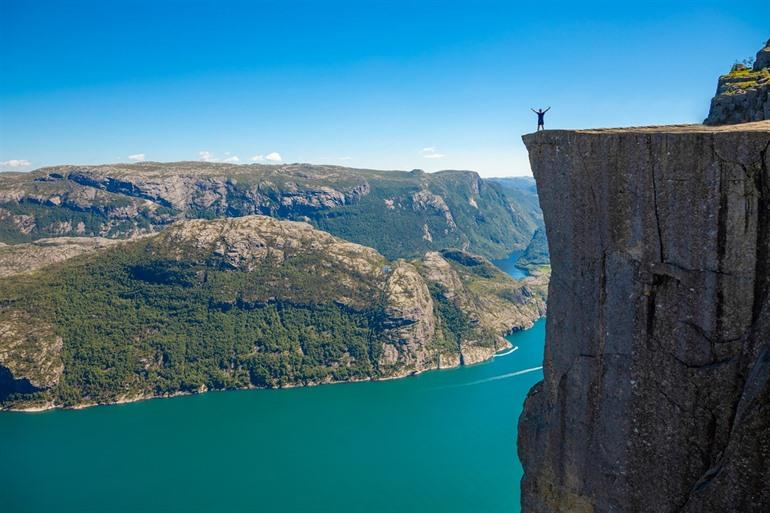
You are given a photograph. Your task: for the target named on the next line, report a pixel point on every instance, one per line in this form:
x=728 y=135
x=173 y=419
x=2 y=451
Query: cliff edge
x=656 y=395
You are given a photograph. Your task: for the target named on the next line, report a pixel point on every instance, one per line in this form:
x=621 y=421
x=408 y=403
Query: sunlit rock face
x=656 y=396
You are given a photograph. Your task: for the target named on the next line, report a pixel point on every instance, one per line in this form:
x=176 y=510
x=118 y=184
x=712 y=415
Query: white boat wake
x=515 y=348
x=494 y=378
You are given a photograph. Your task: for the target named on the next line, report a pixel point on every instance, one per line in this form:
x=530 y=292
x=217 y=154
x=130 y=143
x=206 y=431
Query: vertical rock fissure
x=722 y=218
x=763 y=220
x=652 y=160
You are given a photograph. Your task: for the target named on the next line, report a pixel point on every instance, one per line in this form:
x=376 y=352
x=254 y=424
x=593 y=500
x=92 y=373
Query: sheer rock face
x=656 y=395
x=743 y=95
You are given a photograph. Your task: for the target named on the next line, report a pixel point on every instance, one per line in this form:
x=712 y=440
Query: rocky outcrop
x=743 y=95
x=492 y=303
x=762 y=60
x=30 y=354
x=425 y=200
x=22 y=258
x=656 y=396
x=411 y=318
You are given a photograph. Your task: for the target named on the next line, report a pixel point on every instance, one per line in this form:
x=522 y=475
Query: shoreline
x=203 y=390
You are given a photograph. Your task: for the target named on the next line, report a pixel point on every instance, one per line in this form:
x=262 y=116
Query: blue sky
x=391 y=85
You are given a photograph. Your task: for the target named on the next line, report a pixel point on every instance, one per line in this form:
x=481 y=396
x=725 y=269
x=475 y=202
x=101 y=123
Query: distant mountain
x=521 y=183
x=522 y=190
x=401 y=214
x=233 y=303
x=536 y=254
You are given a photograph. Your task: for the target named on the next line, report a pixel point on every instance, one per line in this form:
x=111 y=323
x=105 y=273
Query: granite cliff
x=656 y=395
x=239 y=302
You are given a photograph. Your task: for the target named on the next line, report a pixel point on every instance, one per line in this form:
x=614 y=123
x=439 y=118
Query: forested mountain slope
x=242 y=302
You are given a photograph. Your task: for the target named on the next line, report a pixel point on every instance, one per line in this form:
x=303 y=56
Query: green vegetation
x=238 y=303
x=742 y=78
x=455 y=324
x=136 y=324
x=536 y=254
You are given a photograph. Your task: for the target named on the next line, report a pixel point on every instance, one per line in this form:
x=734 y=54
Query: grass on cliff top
x=739 y=80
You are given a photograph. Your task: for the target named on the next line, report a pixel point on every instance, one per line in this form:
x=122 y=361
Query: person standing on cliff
x=541 y=118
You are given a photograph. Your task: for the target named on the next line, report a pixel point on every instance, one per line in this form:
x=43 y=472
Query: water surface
x=441 y=441
x=508 y=264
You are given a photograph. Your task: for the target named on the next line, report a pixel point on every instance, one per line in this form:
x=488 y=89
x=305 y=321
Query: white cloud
x=257 y=158
x=431 y=153
x=207 y=156
x=15 y=163
x=345 y=158
x=234 y=158
x=273 y=157
x=139 y=157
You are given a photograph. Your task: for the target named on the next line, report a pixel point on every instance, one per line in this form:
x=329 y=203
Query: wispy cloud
x=15 y=163
x=431 y=153
x=346 y=157
x=232 y=159
x=257 y=158
x=273 y=157
x=139 y=157
x=207 y=156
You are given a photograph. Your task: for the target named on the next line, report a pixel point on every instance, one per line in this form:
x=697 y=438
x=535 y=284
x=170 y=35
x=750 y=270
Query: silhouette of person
x=541 y=118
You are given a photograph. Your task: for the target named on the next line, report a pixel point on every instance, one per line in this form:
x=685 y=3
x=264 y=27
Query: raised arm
x=546 y=110
x=533 y=110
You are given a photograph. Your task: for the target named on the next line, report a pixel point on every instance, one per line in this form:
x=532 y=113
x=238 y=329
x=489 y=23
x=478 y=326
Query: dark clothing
x=541 y=117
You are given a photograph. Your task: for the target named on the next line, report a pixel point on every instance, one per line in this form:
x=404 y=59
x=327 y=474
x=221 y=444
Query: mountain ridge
x=431 y=210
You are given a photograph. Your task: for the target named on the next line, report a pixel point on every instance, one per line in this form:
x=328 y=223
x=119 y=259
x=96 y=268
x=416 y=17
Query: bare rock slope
x=656 y=395
x=17 y=258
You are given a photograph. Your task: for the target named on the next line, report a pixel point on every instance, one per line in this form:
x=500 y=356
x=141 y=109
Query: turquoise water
x=441 y=441
x=508 y=265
